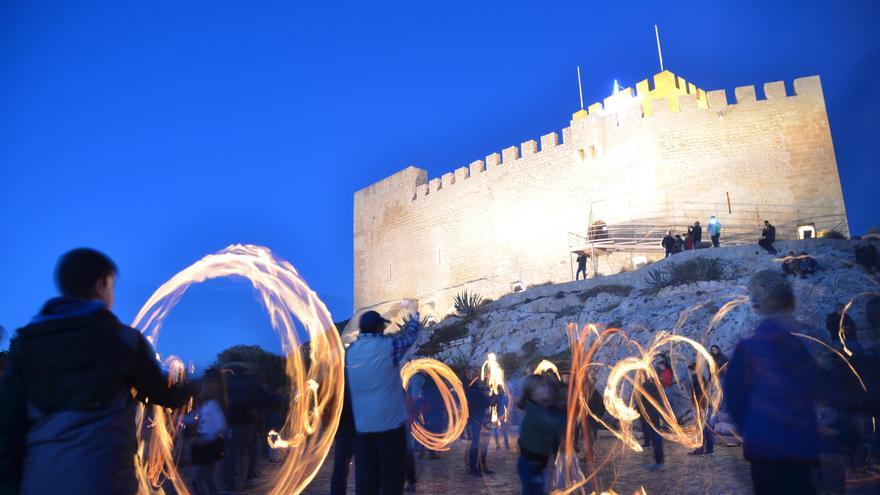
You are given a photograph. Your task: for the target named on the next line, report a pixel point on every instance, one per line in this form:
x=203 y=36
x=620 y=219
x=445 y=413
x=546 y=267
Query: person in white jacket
x=207 y=448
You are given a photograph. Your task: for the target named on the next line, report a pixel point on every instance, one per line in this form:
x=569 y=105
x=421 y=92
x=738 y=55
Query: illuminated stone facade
x=505 y=220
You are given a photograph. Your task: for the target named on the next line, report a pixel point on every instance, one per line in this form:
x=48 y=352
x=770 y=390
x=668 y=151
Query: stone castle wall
x=506 y=219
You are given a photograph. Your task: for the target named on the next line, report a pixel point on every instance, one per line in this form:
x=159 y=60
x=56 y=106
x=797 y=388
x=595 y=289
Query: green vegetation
x=466 y=303
x=688 y=272
x=441 y=337
x=270 y=367
x=619 y=290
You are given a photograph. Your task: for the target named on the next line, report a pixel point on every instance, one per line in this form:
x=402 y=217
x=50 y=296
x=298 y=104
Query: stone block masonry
x=505 y=220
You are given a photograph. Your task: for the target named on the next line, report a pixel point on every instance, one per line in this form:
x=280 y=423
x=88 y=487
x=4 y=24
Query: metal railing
x=645 y=234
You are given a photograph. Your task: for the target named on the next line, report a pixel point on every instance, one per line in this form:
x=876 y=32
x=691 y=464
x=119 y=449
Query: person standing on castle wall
x=768 y=237
x=582 y=266
x=379 y=405
x=679 y=244
x=697 y=232
x=668 y=243
x=714 y=229
x=769 y=393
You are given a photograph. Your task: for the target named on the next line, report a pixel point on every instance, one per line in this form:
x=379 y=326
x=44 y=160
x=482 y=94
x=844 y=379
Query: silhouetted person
x=582 y=266
x=343 y=447
x=708 y=447
x=653 y=414
x=208 y=445
x=768 y=237
x=503 y=404
x=719 y=357
x=769 y=394
x=714 y=229
x=679 y=244
x=247 y=402
x=867 y=255
x=668 y=243
x=540 y=432
x=689 y=241
x=379 y=404
x=697 y=232
x=477 y=395
x=832 y=324
x=67 y=415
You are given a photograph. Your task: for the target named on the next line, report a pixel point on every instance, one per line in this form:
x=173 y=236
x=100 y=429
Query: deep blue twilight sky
x=159 y=132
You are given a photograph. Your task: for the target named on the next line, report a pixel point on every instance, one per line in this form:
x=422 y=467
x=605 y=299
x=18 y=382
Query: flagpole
x=659 y=52
x=580 y=87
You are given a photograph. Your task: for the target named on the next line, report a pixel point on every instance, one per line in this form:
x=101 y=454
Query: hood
x=63 y=335
x=66 y=307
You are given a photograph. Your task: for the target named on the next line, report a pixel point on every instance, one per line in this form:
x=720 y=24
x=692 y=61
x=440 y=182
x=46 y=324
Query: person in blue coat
x=769 y=393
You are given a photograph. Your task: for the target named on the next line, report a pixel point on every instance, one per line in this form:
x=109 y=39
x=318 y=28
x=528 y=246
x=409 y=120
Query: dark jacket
x=477 y=395
x=651 y=390
x=832 y=324
x=540 y=430
x=697 y=232
x=768 y=233
x=67 y=415
x=770 y=396
x=668 y=242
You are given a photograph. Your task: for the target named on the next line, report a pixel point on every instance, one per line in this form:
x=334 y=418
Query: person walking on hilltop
x=768 y=237
x=67 y=412
x=714 y=229
x=379 y=404
x=582 y=266
x=769 y=393
x=668 y=243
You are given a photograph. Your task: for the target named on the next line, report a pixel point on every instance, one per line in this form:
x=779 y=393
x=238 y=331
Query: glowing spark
x=546 y=366
x=316 y=374
x=456 y=407
x=493 y=375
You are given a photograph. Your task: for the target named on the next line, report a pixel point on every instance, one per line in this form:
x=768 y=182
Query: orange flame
x=316 y=382
x=457 y=410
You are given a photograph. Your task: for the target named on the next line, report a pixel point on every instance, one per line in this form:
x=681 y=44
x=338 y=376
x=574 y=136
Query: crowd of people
x=67 y=414
x=693 y=239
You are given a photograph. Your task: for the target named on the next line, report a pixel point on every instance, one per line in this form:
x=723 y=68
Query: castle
x=660 y=157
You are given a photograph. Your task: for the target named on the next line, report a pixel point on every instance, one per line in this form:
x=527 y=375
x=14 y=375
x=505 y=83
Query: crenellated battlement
x=526 y=151
x=664 y=94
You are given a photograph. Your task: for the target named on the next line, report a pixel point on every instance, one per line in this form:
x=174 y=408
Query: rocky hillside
x=528 y=326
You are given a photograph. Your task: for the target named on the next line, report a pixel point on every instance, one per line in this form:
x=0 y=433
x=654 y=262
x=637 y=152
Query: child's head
x=88 y=274
x=538 y=390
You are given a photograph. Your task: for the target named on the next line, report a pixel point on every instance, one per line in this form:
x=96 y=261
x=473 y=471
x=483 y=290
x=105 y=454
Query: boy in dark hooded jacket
x=67 y=409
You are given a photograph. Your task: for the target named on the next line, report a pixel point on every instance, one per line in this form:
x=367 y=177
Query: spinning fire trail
x=315 y=367
x=456 y=407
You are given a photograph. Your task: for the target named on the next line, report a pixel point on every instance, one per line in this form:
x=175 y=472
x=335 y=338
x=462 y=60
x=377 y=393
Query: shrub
x=407 y=318
x=466 y=303
x=696 y=270
x=542 y=284
x=688 y=272
x=655 y=280
x=441 y=337
x=619 y=290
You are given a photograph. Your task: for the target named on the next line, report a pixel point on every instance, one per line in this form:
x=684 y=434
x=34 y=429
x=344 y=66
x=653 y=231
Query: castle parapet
x=663 y=95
